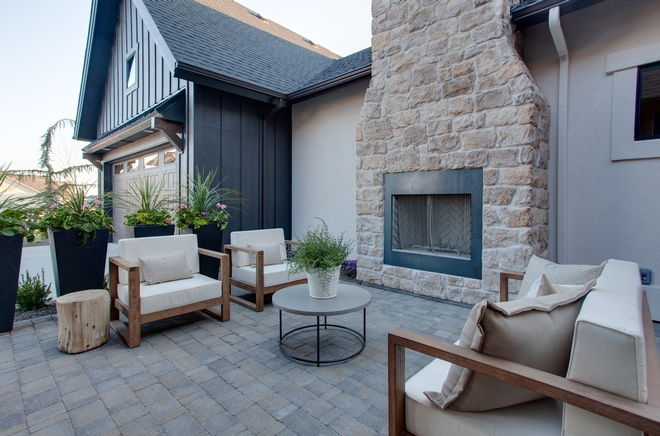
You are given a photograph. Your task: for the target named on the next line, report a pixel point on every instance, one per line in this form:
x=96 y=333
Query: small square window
x=151 y=161
x=119 y=168
x=131 y=73
x=132 y=165
x=169 y=157
x=647 y=121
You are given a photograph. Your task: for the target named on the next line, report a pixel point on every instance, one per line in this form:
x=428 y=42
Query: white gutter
x=562 y=132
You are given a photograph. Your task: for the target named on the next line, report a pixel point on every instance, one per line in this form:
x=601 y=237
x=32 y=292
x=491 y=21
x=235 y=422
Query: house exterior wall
x=323 y=160
x=227 y=135
x=613 y=207
x=135 y=33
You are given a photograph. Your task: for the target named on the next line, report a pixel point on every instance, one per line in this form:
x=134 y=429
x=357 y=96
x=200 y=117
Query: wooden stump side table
x=83 y=320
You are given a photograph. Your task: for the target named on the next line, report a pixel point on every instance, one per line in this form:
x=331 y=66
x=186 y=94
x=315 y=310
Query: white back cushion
x=608 y=346
x=133 y=249
x=255 y=237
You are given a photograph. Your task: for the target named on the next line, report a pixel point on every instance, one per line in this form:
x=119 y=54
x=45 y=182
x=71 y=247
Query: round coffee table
x=296 y=300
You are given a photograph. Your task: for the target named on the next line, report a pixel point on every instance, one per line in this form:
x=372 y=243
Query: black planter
x=145 y=231
x=78 y=268
x=209 y=237
x=11 y=248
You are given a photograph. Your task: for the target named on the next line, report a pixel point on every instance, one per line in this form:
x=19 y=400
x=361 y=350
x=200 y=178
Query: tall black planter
x=11 y=248
x=146 y=231
x=209 y=237
x=78 y=268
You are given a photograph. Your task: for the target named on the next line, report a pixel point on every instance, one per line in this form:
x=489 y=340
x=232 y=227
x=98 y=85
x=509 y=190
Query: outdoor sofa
x=612 y=386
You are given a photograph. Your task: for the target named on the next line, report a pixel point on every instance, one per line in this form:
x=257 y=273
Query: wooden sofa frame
x=644 y=417
x=258 y=289
x=130 y=333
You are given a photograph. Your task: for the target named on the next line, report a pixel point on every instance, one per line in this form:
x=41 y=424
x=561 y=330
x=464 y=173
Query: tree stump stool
x=83 y=320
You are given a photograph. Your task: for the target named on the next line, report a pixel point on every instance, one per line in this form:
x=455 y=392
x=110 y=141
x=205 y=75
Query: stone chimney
x=450 y=91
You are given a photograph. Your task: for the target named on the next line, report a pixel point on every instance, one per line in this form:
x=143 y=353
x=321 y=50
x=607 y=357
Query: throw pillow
x=494 y=329
x=272 y=254
x=564 y=274
x=165 y=269
x=546 y=287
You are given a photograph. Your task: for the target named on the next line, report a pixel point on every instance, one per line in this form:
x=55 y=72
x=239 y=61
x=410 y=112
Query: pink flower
x=223 y=206
x=203 y=213
x=26 y=226
x=53 y=206
x=182 y=206
x=218 y=205
x=97 y=202
x=86 y=206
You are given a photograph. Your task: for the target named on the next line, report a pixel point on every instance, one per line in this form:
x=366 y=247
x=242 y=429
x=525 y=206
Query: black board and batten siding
x=228 y=135
x=155 y=80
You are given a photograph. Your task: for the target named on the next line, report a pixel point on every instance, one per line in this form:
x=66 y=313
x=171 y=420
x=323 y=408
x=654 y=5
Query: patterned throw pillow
x=272 y=254
x=558 y=274
x=165 y=269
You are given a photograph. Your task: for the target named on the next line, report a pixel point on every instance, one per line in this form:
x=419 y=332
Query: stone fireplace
x=449 y=93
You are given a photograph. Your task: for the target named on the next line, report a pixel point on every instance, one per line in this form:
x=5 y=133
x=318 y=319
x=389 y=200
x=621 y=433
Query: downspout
x=562 y=133
x=280 y=104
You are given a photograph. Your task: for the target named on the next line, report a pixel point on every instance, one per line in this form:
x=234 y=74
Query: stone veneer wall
x=450 y=91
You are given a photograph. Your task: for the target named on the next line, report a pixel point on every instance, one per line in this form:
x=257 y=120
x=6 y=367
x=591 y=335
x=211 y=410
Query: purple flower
x=203 y=213
x=86 y=206
x=223 y=206
x=53 y=206
x=97 y=202
x=26 y=226
x=218 y=205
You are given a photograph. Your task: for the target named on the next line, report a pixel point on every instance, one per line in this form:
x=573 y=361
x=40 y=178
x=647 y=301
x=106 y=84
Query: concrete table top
x=296 y=299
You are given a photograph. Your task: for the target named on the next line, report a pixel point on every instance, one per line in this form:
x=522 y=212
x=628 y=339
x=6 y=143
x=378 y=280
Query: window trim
x=638 y=105
x=623 y=66
x=131 y=56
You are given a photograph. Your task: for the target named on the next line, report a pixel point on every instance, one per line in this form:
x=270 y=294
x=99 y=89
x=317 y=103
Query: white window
x=131 y=70
x=635 y=105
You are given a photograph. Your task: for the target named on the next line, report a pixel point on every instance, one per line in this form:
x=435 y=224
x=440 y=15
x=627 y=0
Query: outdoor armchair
x=257 y=264
x=158 y=277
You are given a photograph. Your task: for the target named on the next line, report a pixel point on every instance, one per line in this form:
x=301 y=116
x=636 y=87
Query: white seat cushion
x=273 y=274
x=162 y=296
x=539 y=418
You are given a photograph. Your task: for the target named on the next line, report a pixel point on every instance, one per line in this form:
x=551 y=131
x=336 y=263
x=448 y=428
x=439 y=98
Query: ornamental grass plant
x=14 y=213
x=74 y=211
x=145 y=201
x=206 y=203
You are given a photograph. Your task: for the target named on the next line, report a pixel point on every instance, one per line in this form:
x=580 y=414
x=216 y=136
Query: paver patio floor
x=195 y=375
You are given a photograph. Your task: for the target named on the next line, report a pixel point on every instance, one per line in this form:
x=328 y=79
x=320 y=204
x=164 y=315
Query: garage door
x=157 y=165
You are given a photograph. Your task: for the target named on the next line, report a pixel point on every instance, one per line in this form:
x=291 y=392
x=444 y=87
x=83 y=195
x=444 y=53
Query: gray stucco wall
x=613 y=206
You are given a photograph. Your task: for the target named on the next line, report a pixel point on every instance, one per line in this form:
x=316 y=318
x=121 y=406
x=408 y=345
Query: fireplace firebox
x=433 y=221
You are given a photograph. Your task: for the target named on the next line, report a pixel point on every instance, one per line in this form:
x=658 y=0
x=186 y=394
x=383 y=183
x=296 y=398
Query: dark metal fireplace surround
x=433 y=221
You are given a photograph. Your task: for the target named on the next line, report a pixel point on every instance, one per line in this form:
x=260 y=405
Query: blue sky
x=43 y=48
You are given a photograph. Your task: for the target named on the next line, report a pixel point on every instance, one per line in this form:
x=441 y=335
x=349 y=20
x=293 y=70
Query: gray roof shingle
x=342 y=66
x=228 y=39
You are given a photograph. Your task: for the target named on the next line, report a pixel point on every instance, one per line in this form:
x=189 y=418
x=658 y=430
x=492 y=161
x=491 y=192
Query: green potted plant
x=320 y=254
x=78 y=229
x=205 y=212
x=149 y=210
x=14 y=227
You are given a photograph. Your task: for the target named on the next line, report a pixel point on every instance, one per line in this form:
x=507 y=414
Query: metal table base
x=361 y=337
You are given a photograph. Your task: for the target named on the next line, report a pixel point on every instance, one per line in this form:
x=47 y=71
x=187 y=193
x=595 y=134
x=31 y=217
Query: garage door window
x=119 y=168
x=169 y=157
x=132 y=165
x=151 y=161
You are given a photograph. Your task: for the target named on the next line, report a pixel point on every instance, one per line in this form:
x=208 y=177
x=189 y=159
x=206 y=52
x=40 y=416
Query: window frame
x=132 y=59
x=624 y=66
x=638 y=107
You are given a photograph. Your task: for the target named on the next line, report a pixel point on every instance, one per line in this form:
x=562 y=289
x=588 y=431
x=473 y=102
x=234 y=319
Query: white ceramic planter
x=316 y=288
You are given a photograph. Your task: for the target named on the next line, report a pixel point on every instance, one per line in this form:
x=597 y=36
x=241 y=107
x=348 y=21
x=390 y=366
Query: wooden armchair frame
x=258 y=289
x=644 y=417
x=130 y=333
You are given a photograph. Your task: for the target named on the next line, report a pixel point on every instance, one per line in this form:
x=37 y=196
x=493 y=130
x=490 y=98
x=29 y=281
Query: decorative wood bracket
x=170 y=130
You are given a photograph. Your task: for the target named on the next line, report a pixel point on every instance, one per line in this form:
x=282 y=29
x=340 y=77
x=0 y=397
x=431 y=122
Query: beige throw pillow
x=165 y=269
x=272 y=254
x=562 y=274
x=494 y=329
